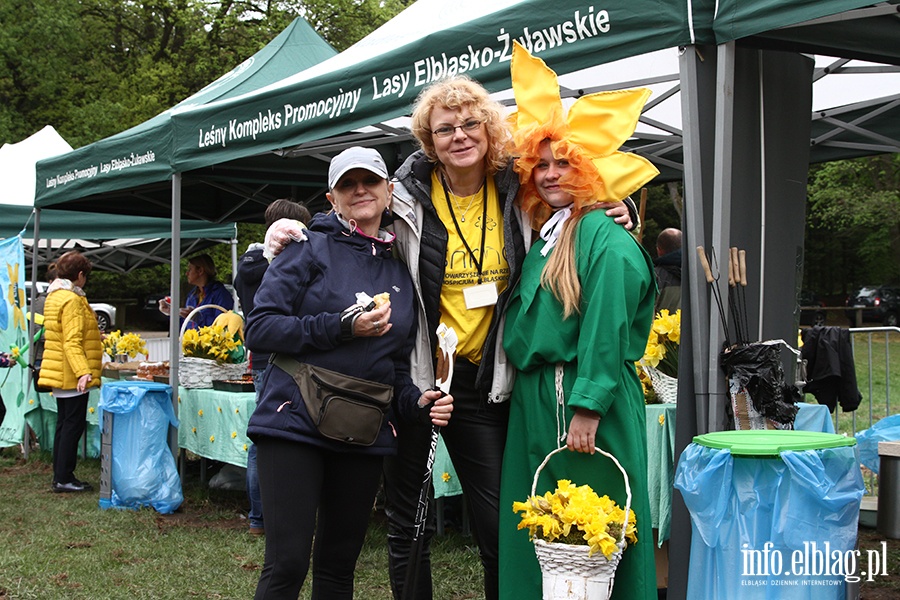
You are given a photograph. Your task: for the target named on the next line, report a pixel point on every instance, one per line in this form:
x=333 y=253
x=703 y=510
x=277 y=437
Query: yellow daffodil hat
x=589 y=137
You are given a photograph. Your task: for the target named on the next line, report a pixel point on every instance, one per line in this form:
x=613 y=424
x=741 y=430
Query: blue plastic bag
x=806 y=502
x=885 y=430
x=143 y=471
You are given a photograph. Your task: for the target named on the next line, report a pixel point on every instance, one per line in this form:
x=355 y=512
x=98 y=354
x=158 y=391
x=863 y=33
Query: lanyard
x=459 y=231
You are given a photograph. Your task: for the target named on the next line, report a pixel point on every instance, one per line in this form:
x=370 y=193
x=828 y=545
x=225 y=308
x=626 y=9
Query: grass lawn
x=63 y=546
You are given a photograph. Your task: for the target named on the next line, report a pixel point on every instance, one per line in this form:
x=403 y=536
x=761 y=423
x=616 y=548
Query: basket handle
x=191 y=314
x=537 y=474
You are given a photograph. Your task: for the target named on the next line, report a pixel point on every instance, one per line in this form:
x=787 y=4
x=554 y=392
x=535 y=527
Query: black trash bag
x=757 y=368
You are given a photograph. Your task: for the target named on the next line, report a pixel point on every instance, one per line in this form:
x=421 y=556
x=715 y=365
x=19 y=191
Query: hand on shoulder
x=280 y=234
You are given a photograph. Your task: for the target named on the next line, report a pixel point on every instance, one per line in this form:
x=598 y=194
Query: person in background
x=668 y=269
x=37 y=354
x=460 y=234
x=251 y=268
x=71 y=364
x=591 y=284
x=6 y=362
x=318 y=491
x=201 y=274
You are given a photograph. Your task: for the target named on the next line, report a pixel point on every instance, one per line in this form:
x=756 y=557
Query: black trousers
x=308 y=490
x=71 y=413
x=475 y=438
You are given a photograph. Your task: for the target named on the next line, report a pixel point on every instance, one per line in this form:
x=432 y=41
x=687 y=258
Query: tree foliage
x=853 y=224
x=93 y=68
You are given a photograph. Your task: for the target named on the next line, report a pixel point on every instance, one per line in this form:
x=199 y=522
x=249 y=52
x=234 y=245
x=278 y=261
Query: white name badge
x=484 y=294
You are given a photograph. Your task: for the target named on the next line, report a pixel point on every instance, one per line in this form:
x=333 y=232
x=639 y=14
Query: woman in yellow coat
x=71 y=364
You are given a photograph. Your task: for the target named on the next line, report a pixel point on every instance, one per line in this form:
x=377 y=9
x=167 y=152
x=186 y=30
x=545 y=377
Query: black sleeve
x=633 y=212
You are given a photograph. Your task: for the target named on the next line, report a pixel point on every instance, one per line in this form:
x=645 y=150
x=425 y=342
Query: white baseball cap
x=356 y=157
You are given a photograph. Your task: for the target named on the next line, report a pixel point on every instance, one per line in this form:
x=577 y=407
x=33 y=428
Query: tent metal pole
x=721 y=225
x=693 y=399
x=175 y=291
x=763 y=194
x=35 y=254
x=695 y=219
x=234 y=257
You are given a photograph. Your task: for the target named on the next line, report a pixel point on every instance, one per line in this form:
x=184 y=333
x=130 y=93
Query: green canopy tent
x=113 y=242
x=144 y=154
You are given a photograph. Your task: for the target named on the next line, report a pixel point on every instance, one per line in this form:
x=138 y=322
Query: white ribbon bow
x=552 y=228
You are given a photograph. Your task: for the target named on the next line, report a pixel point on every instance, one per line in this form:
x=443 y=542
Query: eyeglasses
x=448 y=130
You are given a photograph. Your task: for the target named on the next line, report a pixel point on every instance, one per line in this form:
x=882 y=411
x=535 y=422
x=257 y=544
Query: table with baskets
x=213 y=423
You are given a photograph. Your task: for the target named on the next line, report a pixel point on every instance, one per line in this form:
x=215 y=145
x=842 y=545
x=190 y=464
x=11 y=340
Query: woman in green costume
x=585 y=302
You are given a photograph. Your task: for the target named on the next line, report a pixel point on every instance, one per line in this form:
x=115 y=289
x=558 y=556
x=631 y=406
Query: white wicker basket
x=568 y=572
x=196 y=372
x=665 y=386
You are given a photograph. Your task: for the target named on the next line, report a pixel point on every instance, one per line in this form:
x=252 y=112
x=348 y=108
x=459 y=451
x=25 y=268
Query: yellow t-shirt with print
x=461 y=272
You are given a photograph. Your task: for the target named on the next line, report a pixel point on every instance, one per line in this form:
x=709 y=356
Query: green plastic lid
x=766 y=442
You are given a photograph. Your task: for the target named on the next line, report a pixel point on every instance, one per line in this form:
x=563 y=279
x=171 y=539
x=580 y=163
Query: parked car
x=106 y=313
x=150 y=312
x=154 y=318
x=878 y=304
x=812 y=309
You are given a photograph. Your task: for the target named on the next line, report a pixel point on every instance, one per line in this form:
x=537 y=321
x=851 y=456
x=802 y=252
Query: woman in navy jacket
x=311 y=484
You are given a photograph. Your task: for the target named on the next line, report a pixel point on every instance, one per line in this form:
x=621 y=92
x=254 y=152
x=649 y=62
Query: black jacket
x=415 y=176
x=252 y=266
x=830 y=370
x=297 y=312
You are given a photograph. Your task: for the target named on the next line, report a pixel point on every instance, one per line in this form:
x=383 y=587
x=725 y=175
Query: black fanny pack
x=343 y=407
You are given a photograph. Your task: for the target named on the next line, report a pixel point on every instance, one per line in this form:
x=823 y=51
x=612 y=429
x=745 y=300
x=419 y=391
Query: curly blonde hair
x=456 y=93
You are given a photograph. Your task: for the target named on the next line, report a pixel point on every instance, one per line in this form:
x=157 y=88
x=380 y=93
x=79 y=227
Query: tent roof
x=143 y=154
x=67 y=224
x=278 y=139
x=113 y=242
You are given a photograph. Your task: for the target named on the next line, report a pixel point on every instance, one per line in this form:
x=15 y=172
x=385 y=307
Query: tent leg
x=175 y=291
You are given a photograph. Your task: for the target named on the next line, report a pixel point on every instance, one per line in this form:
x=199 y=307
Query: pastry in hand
x=382 y=299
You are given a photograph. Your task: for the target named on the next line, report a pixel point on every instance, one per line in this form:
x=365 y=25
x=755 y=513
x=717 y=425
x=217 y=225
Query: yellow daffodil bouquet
x=130 y=344
x=214 y=342
x=663 y=343
x=650 y=396
x=576 y=515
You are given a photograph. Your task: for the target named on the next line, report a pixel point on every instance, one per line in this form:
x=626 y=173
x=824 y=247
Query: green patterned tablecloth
x=661 y=465
x=213 y=424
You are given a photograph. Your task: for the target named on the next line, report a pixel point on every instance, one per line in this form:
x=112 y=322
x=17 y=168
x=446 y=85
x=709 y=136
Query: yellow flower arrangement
x=131 y=344
x=662 y=344
x=214 y=342
x=650 y=396
x=576 y=515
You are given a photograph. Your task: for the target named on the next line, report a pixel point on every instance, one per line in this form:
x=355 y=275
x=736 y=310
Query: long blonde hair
x=560 y=273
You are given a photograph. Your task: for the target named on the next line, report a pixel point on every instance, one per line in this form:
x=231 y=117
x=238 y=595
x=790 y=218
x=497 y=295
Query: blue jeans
x=256 y=510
